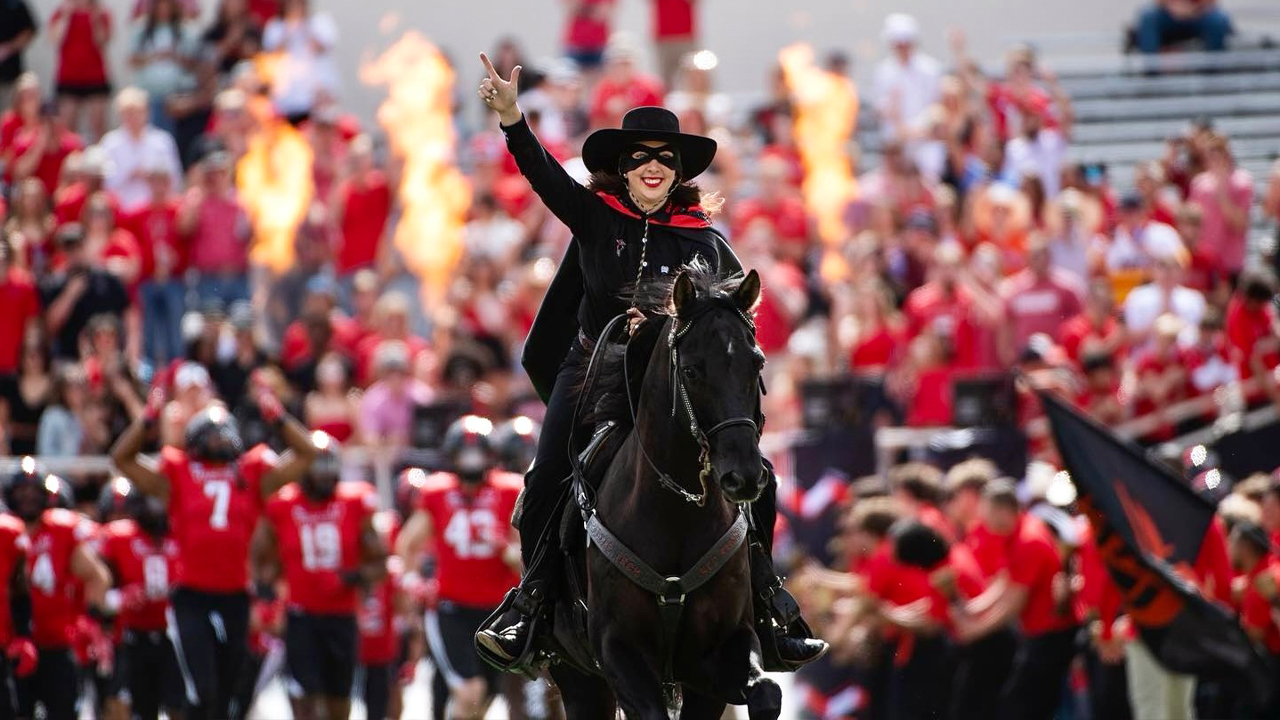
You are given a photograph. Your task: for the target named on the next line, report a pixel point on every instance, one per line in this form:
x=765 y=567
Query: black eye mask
x=629 y=160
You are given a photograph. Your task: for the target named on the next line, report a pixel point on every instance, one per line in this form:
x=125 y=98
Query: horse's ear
x=683 y=294
x=748 y=292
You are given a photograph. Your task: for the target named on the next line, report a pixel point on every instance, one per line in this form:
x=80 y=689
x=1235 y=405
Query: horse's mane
x=608 y=398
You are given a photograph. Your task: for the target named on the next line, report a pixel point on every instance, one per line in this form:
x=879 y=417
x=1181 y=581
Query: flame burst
x=826 y=113
x=274 y=183
x=434 y=195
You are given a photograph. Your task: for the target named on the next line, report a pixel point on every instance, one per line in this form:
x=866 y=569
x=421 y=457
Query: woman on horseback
x=639 y=217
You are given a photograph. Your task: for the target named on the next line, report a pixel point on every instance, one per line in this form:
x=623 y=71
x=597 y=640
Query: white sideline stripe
x=435 y=641
x=171 y=629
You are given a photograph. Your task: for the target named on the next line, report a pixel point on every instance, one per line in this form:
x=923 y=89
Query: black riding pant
x=546 y=480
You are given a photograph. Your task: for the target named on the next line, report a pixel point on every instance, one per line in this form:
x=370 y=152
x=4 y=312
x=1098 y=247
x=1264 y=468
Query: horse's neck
x=666 y=437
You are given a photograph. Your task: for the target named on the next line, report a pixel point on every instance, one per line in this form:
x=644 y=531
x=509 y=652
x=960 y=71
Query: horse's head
x=716 y=366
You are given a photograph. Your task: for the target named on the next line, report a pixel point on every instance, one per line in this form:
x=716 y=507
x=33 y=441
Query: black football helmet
x=113 y=499
x=516 y=443
x=468 y=447
x=26 y=492
x=321 y=481
x=213 y=436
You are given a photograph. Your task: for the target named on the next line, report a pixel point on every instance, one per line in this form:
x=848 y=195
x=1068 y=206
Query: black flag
x=1149 y=524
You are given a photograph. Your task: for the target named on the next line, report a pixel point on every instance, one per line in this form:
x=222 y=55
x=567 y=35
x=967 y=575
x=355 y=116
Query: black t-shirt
x=15 y=19
x=105 y=294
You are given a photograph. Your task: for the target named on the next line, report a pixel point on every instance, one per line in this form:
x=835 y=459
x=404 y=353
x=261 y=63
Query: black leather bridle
x=678 y=391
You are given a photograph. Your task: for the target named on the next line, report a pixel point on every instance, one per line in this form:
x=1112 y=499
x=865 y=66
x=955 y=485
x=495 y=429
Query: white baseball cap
x=900 y=28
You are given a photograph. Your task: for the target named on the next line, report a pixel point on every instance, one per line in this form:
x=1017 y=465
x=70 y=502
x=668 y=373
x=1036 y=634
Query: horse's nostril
x=731 y=482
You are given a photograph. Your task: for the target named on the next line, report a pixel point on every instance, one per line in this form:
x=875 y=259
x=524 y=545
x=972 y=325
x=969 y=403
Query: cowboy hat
x=601 y=150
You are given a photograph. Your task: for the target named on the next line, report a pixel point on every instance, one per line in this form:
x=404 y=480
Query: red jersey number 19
x=220 y=491
x=471 y=533
x=321 y=546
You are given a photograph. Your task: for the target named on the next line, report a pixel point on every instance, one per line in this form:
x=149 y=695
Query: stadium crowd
x=974 y=246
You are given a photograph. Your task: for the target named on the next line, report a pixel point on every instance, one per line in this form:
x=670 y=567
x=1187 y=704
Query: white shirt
x=493 y=239
x=1147 y=302
x=128 y=159
x=1153 y=240
x=304 y=71
x=905 y=90
x=1044 y=154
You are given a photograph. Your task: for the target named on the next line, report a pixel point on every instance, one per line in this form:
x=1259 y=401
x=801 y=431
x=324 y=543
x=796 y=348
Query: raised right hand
x=499 y=94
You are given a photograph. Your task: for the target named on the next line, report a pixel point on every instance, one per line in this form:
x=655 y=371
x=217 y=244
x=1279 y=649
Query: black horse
x=671 y=502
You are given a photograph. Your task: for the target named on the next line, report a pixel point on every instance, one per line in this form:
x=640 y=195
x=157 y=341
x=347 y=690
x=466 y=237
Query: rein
x=680 y=392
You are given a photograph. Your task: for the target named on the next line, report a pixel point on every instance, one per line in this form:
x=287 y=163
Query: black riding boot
x=507 y=639
x=785 y=638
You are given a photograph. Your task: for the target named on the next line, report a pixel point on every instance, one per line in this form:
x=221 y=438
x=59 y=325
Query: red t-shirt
x=1255 y=611
x=1037 y=305
x=49 y=169
x=930 y=307
x=472 y=529
x=876 y=350
x=54 y=600
x=673 y=19
x=1007 y=108
x=81 y=61
x=21 y=305
x=10 y=125
x=586 y=31
x=366 y=347
x=1245 y=328
x=318 y=541
x=1148 y=366
x=295 y=348
x=786 y=216
x=773 y=327
x=989 y=550
x=68 y=203
x=1078 y=334
x=213 y=510
x=931 y=402
x=13 y=550
x=138 y=560
x=366 y=207
x=1033 y=563
x=156 y=229
x=612 y=100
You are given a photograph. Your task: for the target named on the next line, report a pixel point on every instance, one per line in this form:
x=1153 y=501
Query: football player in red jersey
x=390 y=633
x=19 y=657
x=320 y=532
x=142 y=557
x=465 y=515
x=59 y=553
x=216 y=492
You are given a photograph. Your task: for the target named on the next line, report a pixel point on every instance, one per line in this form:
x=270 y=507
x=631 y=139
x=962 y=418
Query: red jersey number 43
x=473 y=533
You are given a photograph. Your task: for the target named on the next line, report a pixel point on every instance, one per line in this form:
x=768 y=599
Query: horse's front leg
x=632 y=676
x=740 y=679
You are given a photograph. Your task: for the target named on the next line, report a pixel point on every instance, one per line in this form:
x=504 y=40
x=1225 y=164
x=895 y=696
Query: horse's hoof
x=764 y=700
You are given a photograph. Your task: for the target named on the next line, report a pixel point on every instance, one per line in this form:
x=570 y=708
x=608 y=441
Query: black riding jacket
x=604 y=255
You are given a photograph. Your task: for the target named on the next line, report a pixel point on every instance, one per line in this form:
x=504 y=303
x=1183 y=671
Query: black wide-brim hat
x=601 y=150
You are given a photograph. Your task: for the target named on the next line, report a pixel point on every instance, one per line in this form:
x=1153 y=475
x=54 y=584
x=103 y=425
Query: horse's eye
x=689 y=372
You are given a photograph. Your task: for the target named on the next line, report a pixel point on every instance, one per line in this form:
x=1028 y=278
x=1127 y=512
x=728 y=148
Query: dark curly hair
x=684 y=194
